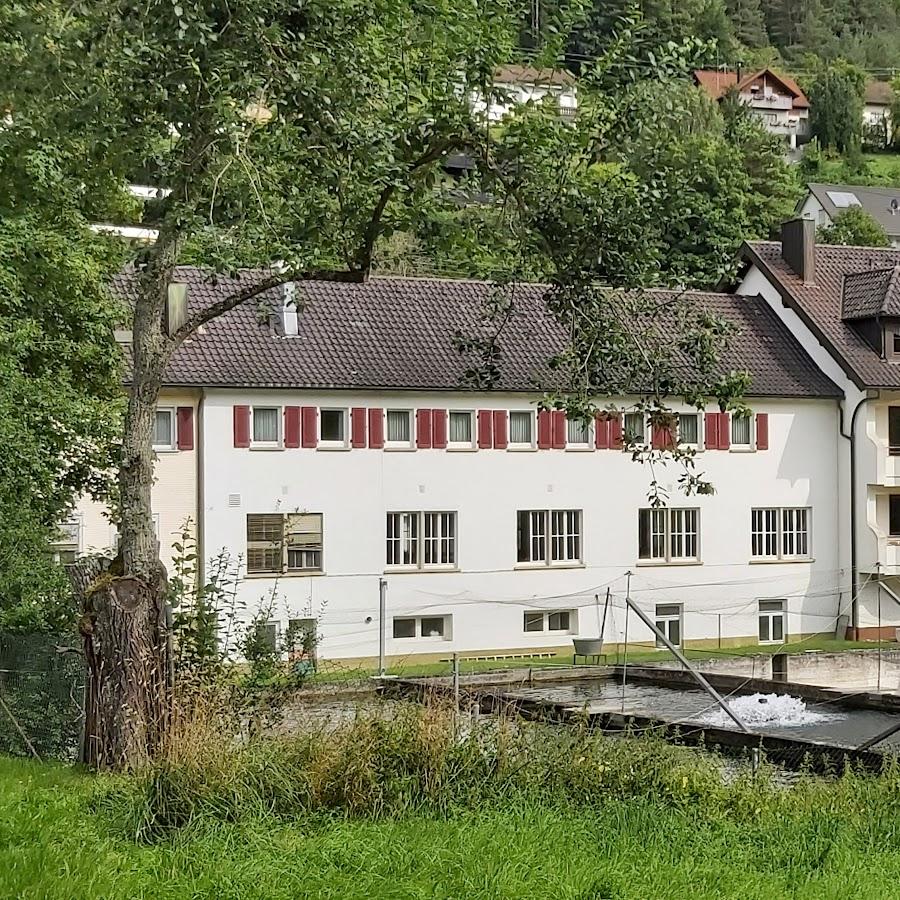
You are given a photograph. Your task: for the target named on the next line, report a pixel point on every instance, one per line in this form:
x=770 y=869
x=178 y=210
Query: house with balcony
x=330 y=439
x=776 y=99
x=515 y=86
x=843 y=304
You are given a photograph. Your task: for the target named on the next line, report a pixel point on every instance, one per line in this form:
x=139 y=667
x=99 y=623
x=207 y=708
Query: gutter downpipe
x=854 y=604
x=201 y=492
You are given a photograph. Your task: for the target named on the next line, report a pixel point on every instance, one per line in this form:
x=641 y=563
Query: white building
x=337 y=448
x=515 y=86
x=843 y=303
x=877 y=116
x=823 y=203
x=776 y=99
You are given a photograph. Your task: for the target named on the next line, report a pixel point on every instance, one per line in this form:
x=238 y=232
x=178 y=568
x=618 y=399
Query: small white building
x=515 y=86
x=877 y=116
x=823 y=203
x=843 y=304
x=776 y=99
x=338 y=451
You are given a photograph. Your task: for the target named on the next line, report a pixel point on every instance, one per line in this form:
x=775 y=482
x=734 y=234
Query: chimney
x=289 y=310
x=798 y=247
x=176 y=306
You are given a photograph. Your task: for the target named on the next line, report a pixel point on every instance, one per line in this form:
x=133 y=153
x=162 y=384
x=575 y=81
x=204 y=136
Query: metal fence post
x=382 y=604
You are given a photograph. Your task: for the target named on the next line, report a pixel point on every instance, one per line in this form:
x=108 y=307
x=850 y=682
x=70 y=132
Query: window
x=424 y=540
x=689 y=429
x=430 y=627
x=399 y=428
x=300 y=638
x=669 y=535
x=894 y=525
x=521 y=429
x=333 y=427
x=771 y=621
x=894 y=430
x=741 y=431
x=279 y=543
x=461 y=430
x=266 y=426
x=562 y=526
x=561 y=620
x=668 y=621
x=777 y=533
x=164 y=429
x=67 y=546
x=578 y=433
x=635 y=428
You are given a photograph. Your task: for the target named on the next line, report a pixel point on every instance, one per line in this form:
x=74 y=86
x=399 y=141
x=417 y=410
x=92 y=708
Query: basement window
x=771 y=621
x=435 y=628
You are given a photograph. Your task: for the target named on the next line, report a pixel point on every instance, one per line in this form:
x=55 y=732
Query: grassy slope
x=881 y=169
x=50 y=846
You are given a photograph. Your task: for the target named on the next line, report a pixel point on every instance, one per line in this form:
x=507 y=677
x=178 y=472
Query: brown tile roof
x=716 y=83
x=820 y=304
x=398 y=334
x=872 y=293
x=879 y=93
x=512 y=74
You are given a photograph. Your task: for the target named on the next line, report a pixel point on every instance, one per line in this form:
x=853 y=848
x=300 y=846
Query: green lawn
x=878 y=169
x=51 y=846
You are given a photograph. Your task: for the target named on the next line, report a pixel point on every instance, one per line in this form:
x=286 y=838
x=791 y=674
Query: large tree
x=303 y=134
x=836 y=106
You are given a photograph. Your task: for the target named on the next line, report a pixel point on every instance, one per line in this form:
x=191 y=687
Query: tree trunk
x=129 y=690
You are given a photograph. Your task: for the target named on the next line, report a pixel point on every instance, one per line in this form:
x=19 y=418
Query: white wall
x=488 y=594
x=812 y=209
x=174 y=494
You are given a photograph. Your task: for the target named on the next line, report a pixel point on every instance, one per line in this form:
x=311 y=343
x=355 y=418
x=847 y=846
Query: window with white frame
x=689 y=429
x=333 y=428
x=164 y=429
x=894 y=516
x=462 y=430
x=422 y=540
x=771 y=621
x=780 y=533
x=741 y=432
x=578 y=433
x=398 y=431
x=669 y=535
x=894 y=430
x=278 y=543
x=436 y=628
x=547 y=620
x=668 y=621
x=67 y=546
x=635 y=428
x=548 y=537
x=521 y=429
x=266 y=426
x=267 y=634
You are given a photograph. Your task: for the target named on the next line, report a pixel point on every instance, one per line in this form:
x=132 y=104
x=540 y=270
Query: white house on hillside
x=515 y=86
x=337 y=450
x=776 y=99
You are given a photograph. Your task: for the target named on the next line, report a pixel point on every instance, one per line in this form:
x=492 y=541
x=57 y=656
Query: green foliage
x=854 y=227
x=836 y=107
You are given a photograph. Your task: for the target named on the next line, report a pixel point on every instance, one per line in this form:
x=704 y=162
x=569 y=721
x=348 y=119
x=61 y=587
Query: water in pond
x=783 y=716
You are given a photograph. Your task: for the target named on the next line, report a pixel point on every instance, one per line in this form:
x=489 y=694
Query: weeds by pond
x=399 y=808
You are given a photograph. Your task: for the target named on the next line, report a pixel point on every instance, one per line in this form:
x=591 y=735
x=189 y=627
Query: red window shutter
x=712 y=431
x=241 y=426
x=762 y=431
x=615 y=432
x=357 y=427
x=184 y=417
x=545 y=430
x=292 y=426
x=559 y=429
x=376 y=428
x=309 y=419
x=601 y=431
x=439 y=429
x=500 y=438
x=724 y=431
x=423 y=429
x=485 y=429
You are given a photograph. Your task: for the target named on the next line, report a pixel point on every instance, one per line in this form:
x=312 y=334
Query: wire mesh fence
x=41 y=695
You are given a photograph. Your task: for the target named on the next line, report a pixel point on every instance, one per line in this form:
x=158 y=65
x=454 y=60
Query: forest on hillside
x=800 y=34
